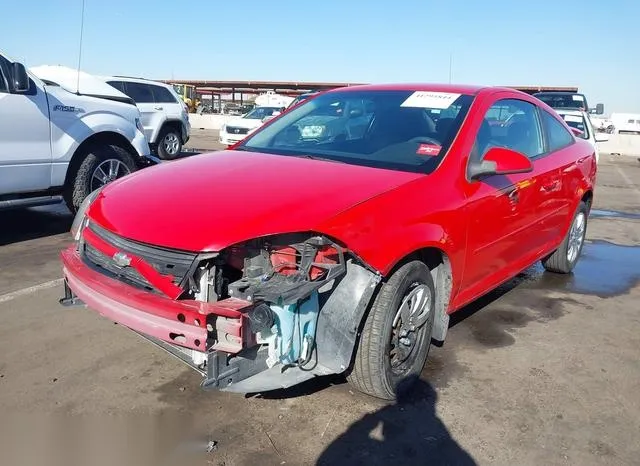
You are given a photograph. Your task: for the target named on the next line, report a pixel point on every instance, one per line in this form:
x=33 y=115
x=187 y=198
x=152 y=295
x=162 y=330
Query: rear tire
x=564 y=259
x=379 y=368
x=169 y=144
x=100 y=165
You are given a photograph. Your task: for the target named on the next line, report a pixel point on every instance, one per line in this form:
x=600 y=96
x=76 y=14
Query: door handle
x=513 y=195
x=157 y=108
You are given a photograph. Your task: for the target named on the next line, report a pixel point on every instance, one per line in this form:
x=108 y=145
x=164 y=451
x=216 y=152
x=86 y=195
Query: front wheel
x=100 y=165
x=396 y=336
x=565 y=258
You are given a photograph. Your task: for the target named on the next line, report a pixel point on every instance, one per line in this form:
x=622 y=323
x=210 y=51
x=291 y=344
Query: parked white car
x=165 y=117
x=57 y=144
x=580 y=120
x=237 y=129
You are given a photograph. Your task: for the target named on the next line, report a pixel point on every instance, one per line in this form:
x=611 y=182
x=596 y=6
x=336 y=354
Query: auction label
x=428 y=99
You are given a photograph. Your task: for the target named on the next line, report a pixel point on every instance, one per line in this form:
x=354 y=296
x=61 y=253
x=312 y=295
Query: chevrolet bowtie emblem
x=121 y=259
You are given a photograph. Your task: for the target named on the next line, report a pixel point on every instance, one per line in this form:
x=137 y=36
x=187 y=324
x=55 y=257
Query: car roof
x=452 y=88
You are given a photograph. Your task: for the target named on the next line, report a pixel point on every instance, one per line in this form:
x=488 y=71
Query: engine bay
x=280 y=280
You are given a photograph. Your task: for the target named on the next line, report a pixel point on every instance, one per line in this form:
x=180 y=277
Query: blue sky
x=594 y=45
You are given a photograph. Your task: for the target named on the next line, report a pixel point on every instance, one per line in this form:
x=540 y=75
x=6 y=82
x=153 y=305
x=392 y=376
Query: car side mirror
x=500 y=161
x=19 y=78
x=599 y=109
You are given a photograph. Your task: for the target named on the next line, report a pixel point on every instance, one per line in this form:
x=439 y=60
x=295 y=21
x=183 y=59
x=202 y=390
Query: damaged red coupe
x=339 y=237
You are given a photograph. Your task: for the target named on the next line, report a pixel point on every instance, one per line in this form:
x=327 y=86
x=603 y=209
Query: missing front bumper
x=239 y=367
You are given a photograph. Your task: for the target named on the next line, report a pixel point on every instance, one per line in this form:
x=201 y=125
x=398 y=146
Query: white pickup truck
x=59 y=145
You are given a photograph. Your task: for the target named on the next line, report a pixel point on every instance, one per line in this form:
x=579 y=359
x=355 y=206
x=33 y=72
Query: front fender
x=68 y=132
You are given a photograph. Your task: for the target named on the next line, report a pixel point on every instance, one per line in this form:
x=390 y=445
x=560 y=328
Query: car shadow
x=405 y=432
x=306 y=388
x=37 y=222
x=485 y=300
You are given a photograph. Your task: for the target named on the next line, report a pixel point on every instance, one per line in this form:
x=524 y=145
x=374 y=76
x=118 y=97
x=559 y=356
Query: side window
x=513 y=124
x=578 y=123
x=140 y=93
x=162 y=95
x=4 y=75
x=557 y=135
x=118 y=85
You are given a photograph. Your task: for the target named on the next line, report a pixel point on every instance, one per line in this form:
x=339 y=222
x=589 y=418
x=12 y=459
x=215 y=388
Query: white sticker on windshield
x=577 y=97
x=572 y=119
x=427 y=99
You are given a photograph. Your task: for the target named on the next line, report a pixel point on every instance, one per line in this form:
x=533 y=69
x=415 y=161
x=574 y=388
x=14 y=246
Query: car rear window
x=396 y=129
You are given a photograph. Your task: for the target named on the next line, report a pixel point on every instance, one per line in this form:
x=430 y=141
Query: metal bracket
x=70 y=299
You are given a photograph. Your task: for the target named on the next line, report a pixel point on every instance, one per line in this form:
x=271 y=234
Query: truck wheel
x=396 y=336
x=564 y=259
x=169 y=144
x=100 y=165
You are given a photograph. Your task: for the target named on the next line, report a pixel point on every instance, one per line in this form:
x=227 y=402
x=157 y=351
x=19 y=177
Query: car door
x=504 y=212
x=25 y=148
x=150 y=115
x=559 y=154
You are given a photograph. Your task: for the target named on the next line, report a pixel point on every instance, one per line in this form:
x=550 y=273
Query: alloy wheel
x=171 y=144
x=576 y=237
x=108 y=171
x=408 y=327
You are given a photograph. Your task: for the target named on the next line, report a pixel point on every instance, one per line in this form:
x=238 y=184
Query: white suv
x=165 y=117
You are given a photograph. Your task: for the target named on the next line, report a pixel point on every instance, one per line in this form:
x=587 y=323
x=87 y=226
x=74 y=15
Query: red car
x=339 y=237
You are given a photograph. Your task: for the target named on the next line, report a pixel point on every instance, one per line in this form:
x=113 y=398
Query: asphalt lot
x=544 y=370
x=203 y=140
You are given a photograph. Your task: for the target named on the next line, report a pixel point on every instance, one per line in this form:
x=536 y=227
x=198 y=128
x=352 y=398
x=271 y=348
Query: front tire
x=564 y=259
x=169 y=144
x=100 y=165
x=396 y=336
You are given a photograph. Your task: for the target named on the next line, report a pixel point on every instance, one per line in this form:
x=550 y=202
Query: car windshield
x=298 y=99
x=259 y=113
x=564 y=100
x=394 y=129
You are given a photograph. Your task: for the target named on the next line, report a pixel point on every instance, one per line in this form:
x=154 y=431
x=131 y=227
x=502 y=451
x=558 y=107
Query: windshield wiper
x=317 y=157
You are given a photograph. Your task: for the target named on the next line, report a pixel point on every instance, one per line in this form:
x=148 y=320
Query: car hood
x=248 y=123
x=211 y=201
x=76 y=82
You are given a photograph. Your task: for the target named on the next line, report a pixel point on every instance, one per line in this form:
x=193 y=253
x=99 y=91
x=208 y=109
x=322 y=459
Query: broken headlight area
x=276 y=287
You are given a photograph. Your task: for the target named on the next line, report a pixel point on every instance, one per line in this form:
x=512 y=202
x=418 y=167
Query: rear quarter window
x=558 y=136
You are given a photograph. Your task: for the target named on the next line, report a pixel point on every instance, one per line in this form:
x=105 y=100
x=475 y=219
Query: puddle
x=602 y=213
x=605 y=269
